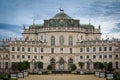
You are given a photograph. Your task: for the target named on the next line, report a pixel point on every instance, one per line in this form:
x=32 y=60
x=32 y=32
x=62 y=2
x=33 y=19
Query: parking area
x=61 y=77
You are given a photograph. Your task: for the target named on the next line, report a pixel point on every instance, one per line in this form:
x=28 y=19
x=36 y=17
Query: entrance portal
x=61 y=64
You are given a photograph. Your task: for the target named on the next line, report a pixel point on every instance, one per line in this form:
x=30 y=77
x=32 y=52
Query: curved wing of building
x=61 y=42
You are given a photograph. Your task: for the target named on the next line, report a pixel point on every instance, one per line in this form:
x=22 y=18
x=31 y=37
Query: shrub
x=73 y=67
x=20 y=66
x=81 y=64
x=49 y=67
x=4 y=77
x=109 y=79
x=40 y=65
x=110 y=67
x=117 y=77
x=13 y=79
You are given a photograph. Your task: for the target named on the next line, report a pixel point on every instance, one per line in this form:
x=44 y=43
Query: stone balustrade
x=68 y=29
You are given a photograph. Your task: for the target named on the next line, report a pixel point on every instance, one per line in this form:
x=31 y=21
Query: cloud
x=7 y=34
x=101 y=12
x=8 y=30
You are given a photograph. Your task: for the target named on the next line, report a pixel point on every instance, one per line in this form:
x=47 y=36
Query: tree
x=96 y=65
x=40 y=65
x=26 y=65
x=110 y=67
x=14 y=66
x=20 y=66
x=73 y=67
x=49 y=67
x=81 y=64
x=23 y=65
x=101 y=66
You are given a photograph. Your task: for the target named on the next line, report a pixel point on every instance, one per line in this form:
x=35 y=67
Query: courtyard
x=61 y=77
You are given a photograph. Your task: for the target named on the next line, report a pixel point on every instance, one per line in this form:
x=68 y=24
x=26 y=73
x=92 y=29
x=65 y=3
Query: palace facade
x=61 y=42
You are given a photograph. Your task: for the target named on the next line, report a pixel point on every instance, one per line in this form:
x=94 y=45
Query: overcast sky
x=100 y=12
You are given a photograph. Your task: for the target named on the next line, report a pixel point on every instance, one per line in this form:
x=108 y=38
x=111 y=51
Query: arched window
x=70 y=40
x=61 y=40
x=52 y=40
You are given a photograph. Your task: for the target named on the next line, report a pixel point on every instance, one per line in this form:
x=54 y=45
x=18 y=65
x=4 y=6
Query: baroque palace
x=60 y=42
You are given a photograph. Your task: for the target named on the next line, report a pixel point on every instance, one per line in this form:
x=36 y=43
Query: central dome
x=61 y=15
x=61 y=19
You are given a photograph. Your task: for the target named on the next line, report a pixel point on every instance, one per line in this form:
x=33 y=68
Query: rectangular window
x=23 y=56
x=41 y=57
x=52 y=40
x=105 y=56
x=116 y=63
x=13 y=48
x=52 y=50
x=6 y=56
x=87 y=57
x=18 y=56
x=116 y=56
x=23 y=49
x=81 y=49
x=110 y=56
x=42 y=50
x=81 y=57
x=35 y=57
x=94 y=57
x=28 y=49
x=100 y=56
x=100 y=48
x=94 y=49
x=87 y=49
x=35 y=49
x=70 y=50
x=61 y=49
x=6 y=65
x=105 y=48
x=28 y=56
x=110 y=48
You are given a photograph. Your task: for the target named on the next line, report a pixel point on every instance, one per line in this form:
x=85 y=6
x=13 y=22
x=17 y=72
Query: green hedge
x=13 y=79
x=4 y=77
x=109 y=79
x=117 y=77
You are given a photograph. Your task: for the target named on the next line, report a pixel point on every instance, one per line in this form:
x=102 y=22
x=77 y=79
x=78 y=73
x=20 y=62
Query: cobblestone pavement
x=61 y=77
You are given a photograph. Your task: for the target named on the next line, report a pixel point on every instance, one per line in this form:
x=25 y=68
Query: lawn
x=62 y=77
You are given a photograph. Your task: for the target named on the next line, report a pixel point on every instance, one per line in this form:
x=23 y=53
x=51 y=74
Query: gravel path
x=62 y=77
